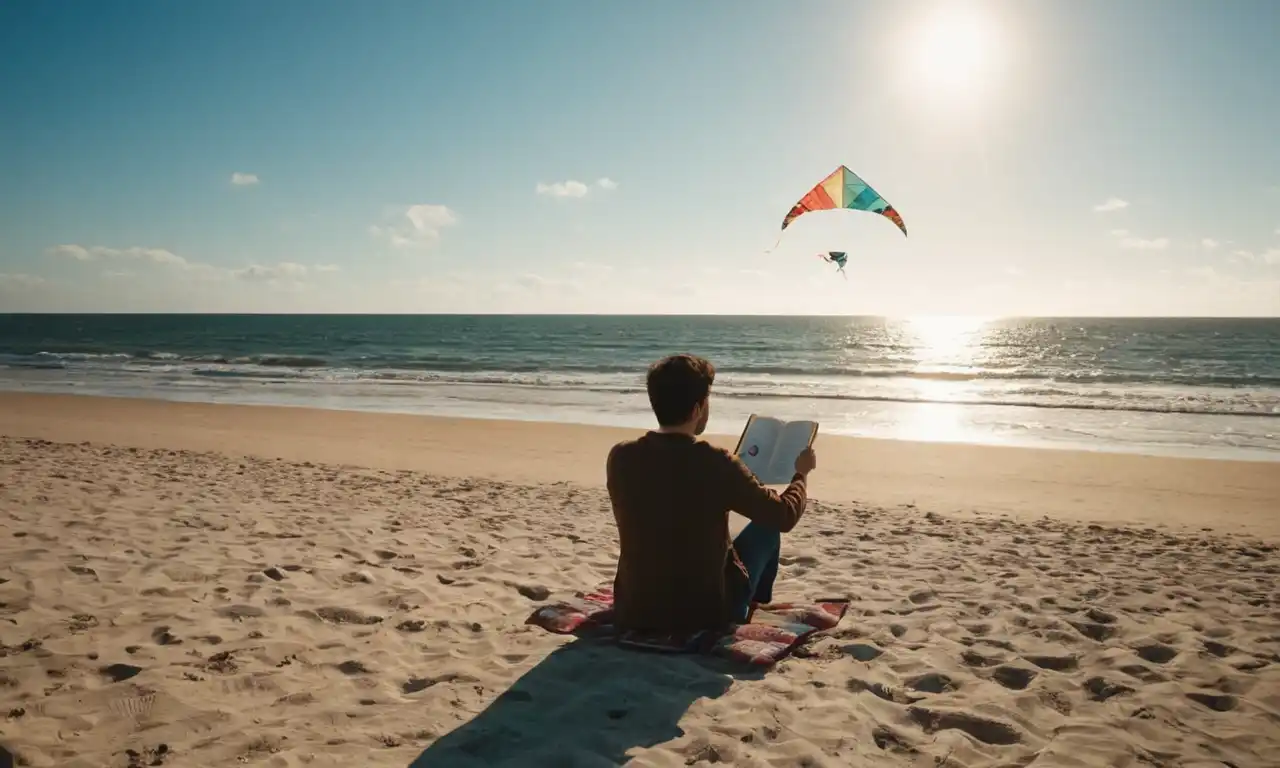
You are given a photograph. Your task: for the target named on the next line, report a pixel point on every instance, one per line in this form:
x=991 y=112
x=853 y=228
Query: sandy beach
x=204 y=585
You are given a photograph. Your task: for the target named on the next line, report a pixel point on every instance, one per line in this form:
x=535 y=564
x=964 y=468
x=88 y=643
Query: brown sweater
x=671 y=497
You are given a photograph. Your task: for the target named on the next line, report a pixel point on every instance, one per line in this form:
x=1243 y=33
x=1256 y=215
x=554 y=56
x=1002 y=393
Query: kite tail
x=771 y=248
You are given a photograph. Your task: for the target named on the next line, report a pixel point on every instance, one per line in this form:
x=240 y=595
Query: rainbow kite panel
x=844 y=189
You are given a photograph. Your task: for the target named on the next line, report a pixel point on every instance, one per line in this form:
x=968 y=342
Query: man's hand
x=806 y=462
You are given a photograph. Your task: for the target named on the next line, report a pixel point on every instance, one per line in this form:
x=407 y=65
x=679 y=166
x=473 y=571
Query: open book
x=769 y=447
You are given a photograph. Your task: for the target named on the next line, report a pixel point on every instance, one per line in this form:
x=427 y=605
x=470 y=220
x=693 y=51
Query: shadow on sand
x=586 y=704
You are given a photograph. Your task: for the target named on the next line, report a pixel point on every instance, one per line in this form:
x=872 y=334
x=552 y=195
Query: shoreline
x=1172 y=434
x=950 y=478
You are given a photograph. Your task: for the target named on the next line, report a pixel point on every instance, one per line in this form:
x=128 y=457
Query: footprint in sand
x=82 y=570
x=1251 y=665
x=983 y=729
x=890 y=740
x=1215 y=701
x=1100 y=616
x=1055 y=663
x=975 y=659
x=862 y=651
x=120 y=672
x=535 y=592
x=921 y=596
x=1145 y=674
x=881 y=690
x=353 y=667
x=162 y=636
x=1015 y=678
x=1156 y=653
x=1100 y=689
x=1094 y=631
x=933 y=682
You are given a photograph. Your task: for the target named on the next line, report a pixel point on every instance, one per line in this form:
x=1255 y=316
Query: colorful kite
x=844 y=189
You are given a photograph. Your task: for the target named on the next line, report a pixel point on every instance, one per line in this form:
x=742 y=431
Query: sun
x=956 y=52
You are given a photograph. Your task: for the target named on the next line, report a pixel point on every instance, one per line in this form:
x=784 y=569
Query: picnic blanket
x=775 y=629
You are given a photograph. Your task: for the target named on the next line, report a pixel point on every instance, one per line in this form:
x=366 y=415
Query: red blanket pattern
x=775 y=629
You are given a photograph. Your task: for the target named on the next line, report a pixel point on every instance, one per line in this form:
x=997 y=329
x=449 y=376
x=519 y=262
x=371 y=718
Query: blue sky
x=1055 y=158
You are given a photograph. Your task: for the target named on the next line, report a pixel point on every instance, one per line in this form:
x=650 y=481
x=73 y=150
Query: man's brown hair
x=676 y=385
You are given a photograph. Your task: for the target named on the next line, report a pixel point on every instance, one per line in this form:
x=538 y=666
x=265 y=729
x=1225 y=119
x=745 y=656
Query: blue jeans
x=758 y=548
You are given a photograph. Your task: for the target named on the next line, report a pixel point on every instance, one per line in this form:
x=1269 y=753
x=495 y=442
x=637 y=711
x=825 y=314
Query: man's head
x=679 y=387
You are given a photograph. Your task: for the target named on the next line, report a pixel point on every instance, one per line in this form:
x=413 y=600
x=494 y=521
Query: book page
x=792 y=439
x=757 y=443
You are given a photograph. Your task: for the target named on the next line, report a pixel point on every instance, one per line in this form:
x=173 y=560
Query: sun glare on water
x=946 y=337
x=943 y=344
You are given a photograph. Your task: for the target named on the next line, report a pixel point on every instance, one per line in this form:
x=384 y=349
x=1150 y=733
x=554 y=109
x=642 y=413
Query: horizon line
x=634 y=315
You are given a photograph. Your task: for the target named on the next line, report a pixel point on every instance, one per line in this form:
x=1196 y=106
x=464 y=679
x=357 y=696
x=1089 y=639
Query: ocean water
x=1207 y=387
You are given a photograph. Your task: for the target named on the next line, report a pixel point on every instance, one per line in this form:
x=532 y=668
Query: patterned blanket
x=775 y=629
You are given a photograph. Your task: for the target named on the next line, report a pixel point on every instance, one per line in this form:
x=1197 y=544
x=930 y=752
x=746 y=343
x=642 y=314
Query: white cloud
x=1270 y=257
x=285 y=269
x=1111 y=204
x=1209 y=244
x=568 y=188
x=19 y=280
x=103 y=253
x=572 y=188
x=239 y=179
x=1145 y=244
x=78 y=252
x=415 y=226
x=1125 y=239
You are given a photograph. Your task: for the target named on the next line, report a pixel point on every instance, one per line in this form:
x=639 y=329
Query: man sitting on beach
x=671 y=496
